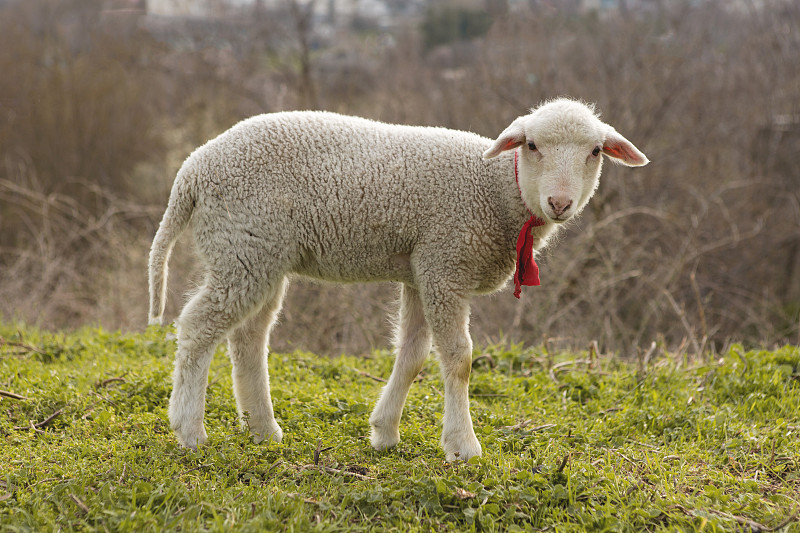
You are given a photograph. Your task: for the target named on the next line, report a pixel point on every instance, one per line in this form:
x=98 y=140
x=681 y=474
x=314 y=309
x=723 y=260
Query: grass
x=570 y=443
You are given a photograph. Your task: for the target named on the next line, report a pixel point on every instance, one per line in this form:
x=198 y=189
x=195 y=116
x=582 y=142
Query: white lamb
x=348 y=199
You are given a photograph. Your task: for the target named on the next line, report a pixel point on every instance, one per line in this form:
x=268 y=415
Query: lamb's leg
x=413 y=344
x=248 y=348
x=448 y=316
x=202 y=325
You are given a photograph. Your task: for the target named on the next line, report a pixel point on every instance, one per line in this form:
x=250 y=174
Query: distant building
x=346 y=9
x=187 y=8
x=388 y=12
x=125 y=6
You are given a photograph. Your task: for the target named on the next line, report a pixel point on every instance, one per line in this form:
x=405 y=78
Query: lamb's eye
x=532 y=146
x=596 y=151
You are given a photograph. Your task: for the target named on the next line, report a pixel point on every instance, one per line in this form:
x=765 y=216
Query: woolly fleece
x=347 y=199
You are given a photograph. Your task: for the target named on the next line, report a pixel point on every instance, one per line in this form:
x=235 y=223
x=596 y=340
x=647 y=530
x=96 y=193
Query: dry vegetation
x=99 y=107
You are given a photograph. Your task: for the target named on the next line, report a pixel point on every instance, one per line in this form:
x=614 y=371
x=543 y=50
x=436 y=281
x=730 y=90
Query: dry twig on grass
x=22 y=345
x=79 y=503
x=43 y=423
x=524 y=424
x=12 y=395
x=323 y=468
x=751 y=525
x=558 y=366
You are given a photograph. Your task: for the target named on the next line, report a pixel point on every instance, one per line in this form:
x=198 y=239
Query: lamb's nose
x=560 y=204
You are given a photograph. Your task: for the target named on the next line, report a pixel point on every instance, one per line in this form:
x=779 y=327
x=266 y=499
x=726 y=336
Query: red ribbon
x=527 y=271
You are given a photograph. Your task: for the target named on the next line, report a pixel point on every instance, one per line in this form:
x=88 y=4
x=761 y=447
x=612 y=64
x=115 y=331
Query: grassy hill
x=572 y=442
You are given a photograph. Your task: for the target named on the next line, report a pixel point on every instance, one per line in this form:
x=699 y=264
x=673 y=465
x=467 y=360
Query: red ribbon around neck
x=527 y=271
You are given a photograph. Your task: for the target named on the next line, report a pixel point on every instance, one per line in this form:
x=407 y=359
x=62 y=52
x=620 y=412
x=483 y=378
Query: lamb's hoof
x=462 y=449
x=383 y=439
x=191 y=439
x=275 y=435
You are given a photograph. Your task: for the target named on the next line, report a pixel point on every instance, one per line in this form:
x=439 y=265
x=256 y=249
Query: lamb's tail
x=176 y=219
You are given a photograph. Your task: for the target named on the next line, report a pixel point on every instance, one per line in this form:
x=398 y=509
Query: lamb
x=347 y=199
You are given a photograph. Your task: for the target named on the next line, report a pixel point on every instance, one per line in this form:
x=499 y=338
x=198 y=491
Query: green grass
x=710 y=445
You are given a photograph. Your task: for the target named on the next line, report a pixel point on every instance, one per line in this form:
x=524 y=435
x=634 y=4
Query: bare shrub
x=699 y=248
x=69 y=265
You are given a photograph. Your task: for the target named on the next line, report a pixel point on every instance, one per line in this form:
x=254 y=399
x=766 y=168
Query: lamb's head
x=562 y=143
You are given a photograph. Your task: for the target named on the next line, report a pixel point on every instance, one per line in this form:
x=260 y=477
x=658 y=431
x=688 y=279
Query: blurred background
x=102 y=100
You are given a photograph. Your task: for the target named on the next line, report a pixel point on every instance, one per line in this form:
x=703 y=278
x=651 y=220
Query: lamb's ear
x=622 y=151
x=512 y=136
